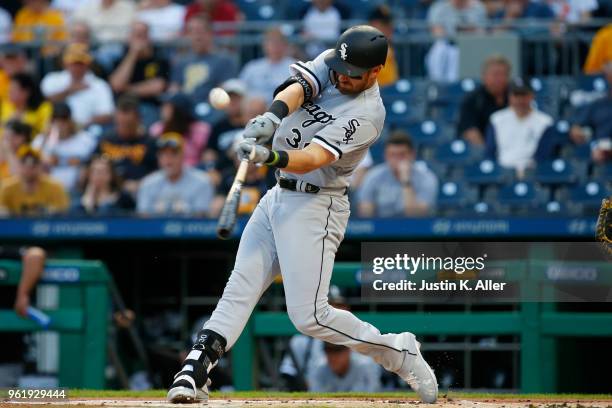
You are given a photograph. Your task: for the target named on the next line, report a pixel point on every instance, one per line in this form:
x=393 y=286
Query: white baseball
x=218 y=98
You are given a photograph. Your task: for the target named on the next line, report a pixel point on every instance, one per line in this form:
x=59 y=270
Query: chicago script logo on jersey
x=350 y=130
x=343 y=55
x=318 y=114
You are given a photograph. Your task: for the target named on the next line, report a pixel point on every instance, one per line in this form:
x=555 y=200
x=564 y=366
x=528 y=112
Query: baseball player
x=322 y=121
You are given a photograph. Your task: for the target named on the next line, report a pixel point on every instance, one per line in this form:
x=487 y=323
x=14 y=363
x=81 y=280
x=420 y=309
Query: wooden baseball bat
x=227 y=219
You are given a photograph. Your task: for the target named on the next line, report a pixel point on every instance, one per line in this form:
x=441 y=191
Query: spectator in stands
x=102 y=193
x=447 y=17
x=65 y=147
x=521 y=9
x=32 y=192
x=232 y=121
x=37 y=21
x=593 y=124
x=175 y=188
x=6 y=24
x=491 y=96
x=110 y=20
x=400 y=186
x=14 y=135
x=573 y=11
x=201 y=69
x=127 y=145
x=514 y=133
x=143 y=72
x=67 y=7
x=262 y=76
x=177 y=116
x=89 y=97
x=382 y=19
x=344 y=371
x=79 y=33
x=494 y=7
x=164 y=18
x=600 y=52
x=216 y=11
x=13 y=60
x=321 y=22
x=26 y=103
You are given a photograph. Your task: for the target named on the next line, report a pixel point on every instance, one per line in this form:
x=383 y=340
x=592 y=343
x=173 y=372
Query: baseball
x=218 y=98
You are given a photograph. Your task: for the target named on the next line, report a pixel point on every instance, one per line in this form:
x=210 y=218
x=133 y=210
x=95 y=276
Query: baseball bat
x=39 y=317
x=227 y=219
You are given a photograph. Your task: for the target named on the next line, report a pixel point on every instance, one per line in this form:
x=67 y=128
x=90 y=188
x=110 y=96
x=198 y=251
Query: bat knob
x=224 y=233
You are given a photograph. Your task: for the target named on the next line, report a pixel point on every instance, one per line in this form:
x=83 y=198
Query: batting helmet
x=358 y=49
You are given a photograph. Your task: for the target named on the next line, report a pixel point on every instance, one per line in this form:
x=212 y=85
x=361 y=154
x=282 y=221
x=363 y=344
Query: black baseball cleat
x=190 y=385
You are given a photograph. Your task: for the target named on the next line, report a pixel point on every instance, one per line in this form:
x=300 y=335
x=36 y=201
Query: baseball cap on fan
x=358 y=49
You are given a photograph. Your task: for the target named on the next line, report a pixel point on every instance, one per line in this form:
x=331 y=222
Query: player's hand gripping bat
x=227 y=219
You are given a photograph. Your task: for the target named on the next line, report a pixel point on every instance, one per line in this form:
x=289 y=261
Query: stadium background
x=170 y=270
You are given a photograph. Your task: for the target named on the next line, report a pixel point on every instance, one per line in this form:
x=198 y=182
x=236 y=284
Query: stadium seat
x=521 y=197
x=547 y=94
x=439 y=169
x=585 y=197
x=404 y=102
x=402 y=111
x=576 y=152
x=455 y=197
x=486 y=172
x=603 y=173
x=551 y=208
x=592 y=83
x=426 y=133
x=261 y=10
x=445 y=99
x=457 y=152
x=558 y=171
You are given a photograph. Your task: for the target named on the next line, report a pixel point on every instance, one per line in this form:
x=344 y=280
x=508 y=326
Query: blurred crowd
x=100 y=115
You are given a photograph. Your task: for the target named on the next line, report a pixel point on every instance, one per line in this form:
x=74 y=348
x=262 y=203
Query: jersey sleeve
x=345 y=135
x=316 y=71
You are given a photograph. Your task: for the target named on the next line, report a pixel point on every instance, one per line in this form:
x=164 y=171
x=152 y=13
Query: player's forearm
x=293 y=96
x=301 y=161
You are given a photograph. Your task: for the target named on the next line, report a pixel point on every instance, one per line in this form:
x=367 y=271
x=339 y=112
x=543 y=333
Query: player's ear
x=374 y=71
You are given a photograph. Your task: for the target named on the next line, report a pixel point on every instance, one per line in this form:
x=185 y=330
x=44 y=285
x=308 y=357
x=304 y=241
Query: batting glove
x=262 y=127
x=249 y=150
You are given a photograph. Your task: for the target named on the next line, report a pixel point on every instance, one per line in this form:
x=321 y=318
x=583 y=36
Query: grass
x=111 y=394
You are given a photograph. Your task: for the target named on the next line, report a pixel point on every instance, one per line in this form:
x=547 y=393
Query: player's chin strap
x=204 y=355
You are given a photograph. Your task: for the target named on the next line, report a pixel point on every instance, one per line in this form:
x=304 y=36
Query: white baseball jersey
x=346 y=125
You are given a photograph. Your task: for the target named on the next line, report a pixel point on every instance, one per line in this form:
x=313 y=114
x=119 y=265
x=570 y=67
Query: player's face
x=349 y=85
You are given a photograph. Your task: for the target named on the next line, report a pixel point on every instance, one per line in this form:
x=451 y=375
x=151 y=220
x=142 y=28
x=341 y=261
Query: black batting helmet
x=358 y=49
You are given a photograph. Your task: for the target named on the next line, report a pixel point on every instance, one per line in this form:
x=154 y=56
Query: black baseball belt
x=304 y=187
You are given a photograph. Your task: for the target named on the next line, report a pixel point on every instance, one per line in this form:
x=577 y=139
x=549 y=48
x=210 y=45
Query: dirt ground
x=315 y=403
